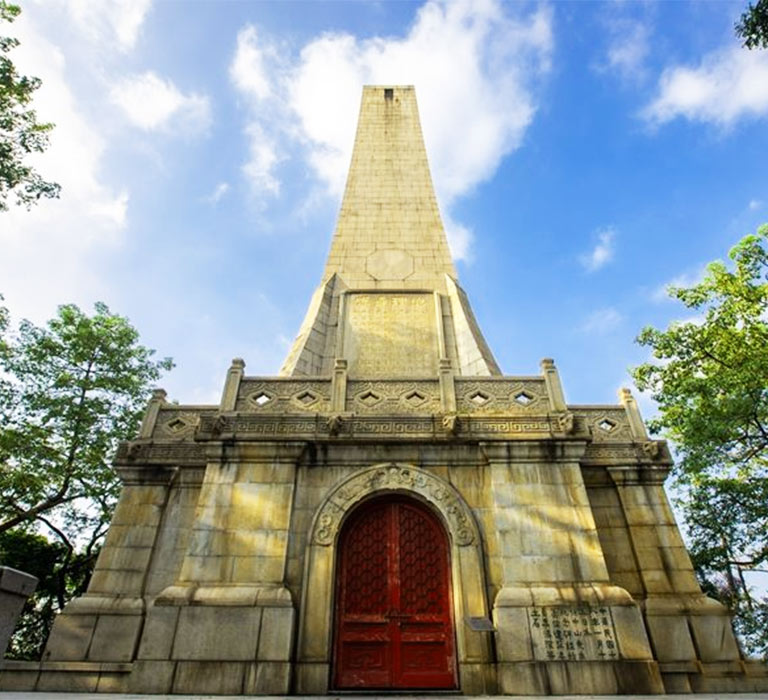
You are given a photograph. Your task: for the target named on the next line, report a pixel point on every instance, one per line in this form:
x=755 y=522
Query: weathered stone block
x=112 y=682
x=312 y=678
x=215 y=677
x=714 y=638
x=478 y=679
x=522 y=679
x=670 y=638
x=638 y=678
x=70 y=637
x=268 y=678
x=18 y=680
x=209 y=633
x=115 y=638
x=513 y=637
x=276 y=638
x=159 y=632
x=69 y=681
x=630 y=632
x=591 y=678
x=155 y=677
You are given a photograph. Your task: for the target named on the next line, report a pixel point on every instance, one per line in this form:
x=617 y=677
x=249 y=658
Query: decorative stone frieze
x=394 y=477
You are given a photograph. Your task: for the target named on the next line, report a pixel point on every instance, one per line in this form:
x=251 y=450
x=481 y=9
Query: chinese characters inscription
x=582 y=633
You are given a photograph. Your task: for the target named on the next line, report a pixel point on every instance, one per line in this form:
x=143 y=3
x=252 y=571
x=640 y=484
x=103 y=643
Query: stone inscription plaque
x=391 y=335
x=581 y=633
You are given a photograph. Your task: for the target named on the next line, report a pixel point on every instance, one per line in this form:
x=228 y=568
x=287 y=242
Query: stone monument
x=392 y=512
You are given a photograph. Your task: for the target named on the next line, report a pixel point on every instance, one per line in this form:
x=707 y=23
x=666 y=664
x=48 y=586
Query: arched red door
x=394 y=625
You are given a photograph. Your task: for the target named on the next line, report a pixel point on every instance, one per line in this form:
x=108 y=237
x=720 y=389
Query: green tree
x=69 y=393
x=710 y=379
x=752 y=27
x=20 y=132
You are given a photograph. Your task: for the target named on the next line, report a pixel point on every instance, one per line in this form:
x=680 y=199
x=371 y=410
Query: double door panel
x=393 y=618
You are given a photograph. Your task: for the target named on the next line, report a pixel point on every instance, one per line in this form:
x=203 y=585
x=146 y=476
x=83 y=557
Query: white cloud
x=151 y=102
x=263 y=157
x=755 y=204
x=50 y=254
x=686 y=279
x=727 y=85
x=248 y=70
x=107 y=21
x=602 y=253
x=627 y=49
x=218 y=192
x=475 y=66
x=602 y=321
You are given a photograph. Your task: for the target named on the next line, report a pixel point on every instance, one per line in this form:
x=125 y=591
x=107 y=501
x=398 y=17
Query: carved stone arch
x=392 y=477
x=473 y=645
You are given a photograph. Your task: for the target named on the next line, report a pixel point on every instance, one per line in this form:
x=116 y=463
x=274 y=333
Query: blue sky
x=585 y=155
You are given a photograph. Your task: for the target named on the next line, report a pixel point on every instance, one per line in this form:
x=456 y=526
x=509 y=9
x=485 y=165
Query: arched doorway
x=393 y=612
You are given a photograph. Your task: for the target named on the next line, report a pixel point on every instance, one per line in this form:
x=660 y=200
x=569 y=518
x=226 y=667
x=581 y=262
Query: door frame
x=474 y=653
x=358 y=511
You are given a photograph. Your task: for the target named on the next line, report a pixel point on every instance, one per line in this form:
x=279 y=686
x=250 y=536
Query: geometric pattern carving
x=495 y=396
x=287 y=396
x=306 y=398
x=394 y=477
x=606 y=425
x=366 y=545
x=414 y=398
x=421 y=564
x=179 y=423
x=479 y=398
x=368 y=398
x=397 y=397
x=260 y=398
x=523 y=398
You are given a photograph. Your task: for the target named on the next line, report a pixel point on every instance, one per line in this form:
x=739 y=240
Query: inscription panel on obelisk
x=390 y=335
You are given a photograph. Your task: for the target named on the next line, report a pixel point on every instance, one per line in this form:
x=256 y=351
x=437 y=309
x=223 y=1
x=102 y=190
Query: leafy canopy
x=710 y=377
x=20 y=132
x=710 y=380
x=752 y=27
x=69 y=393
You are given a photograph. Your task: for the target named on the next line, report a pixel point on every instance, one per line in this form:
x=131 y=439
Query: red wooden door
x=394 y=625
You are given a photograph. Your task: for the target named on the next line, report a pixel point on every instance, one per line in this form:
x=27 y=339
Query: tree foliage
x=69 y=393
x=752 y=26
x=710 y=379
x=20 y=132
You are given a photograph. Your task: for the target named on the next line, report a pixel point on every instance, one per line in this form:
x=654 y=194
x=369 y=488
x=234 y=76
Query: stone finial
x=554 y=387
x=232 y=384
x=339 y=386
x=159 y=398
x=636 y=424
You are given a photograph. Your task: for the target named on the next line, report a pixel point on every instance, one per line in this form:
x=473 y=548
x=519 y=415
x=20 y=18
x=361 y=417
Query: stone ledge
x=228 y=596
x=74 y=666
x=600 y=594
